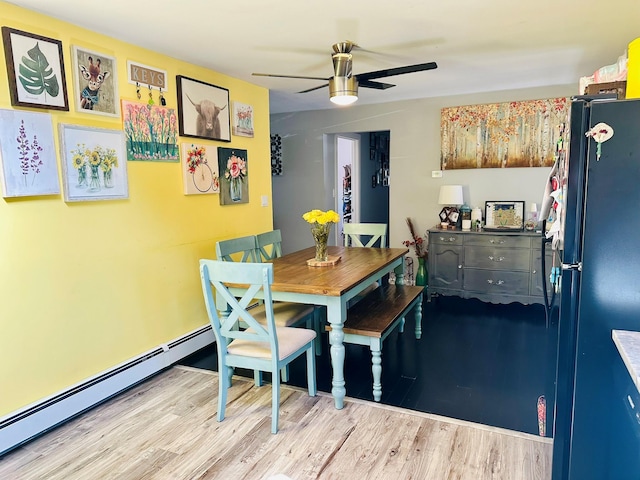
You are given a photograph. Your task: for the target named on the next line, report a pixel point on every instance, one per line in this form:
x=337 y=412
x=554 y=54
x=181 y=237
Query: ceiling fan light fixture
x=343 y=90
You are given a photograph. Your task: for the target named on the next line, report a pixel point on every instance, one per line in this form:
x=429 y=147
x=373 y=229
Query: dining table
x=333 y=286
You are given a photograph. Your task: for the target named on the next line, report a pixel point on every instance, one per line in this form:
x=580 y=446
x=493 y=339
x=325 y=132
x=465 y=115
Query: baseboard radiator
x=21 y=426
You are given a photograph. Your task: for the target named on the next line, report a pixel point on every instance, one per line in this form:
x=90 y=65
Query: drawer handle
x=499 y=282
x=450 y=239
x=501 y=241
x=494 y=259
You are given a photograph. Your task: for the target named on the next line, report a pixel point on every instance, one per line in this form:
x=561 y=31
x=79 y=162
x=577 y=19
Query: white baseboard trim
x=22 y=425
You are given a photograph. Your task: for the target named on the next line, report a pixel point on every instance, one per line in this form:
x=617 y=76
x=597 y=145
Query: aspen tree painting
x=501 y=135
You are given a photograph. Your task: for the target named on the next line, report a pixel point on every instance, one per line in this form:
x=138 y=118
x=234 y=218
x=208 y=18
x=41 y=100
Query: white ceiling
x=478 y=46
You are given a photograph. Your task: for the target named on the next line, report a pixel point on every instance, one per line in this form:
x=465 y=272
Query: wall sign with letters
x=146 y=76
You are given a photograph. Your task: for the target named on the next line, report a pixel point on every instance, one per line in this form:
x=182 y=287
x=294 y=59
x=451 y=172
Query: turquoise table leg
x=336 y=312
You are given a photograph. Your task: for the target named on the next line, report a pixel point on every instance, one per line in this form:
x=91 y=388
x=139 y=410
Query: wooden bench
x=375 y=316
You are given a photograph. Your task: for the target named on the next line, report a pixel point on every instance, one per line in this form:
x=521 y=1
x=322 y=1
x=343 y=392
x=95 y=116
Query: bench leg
x=376 y=368
x=418 y=313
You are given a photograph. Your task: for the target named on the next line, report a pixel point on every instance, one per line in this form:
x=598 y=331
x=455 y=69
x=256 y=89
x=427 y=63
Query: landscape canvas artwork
x=151 y=132
x=502 y=135
x=28 y=154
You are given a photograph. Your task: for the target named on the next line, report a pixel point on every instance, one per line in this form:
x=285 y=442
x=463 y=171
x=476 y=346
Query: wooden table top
x=292 y=274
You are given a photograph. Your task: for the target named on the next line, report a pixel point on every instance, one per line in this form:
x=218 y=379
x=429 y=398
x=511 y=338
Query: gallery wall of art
x=112 y=190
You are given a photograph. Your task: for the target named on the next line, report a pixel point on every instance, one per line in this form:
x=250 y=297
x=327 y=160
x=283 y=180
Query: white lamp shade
x=450 y=195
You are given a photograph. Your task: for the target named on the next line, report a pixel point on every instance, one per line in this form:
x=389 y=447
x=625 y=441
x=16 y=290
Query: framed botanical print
x=35 y=69
x=28 y=154
x=203 y=110
x=95 y=83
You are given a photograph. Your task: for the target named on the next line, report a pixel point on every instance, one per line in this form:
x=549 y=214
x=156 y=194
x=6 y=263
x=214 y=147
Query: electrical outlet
x=436 y=174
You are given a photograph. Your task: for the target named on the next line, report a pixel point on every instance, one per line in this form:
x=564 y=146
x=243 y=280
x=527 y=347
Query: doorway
x=362 y=174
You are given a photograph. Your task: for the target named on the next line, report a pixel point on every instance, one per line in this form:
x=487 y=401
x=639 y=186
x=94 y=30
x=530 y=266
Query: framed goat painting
x=95 y=82
x=35 y=70
x=203 y=110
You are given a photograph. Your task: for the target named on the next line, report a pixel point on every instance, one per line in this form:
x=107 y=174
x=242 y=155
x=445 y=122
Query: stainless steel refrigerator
x=596 y=430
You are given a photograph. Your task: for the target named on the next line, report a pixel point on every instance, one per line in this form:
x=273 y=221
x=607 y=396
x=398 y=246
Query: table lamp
x=451 y=197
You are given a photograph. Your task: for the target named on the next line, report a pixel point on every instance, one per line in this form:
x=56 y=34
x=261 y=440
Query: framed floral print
x=234 y=176
x=94 y=163
x=242 y=119
x=35 y=69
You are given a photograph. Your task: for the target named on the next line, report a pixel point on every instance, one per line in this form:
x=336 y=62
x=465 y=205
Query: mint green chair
x=287 y=314
x=241 y=245
x=269 y=246
x=267 y=348
x=354 y=233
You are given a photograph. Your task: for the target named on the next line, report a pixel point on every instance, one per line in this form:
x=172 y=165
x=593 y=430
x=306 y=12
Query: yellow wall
x=85 y=286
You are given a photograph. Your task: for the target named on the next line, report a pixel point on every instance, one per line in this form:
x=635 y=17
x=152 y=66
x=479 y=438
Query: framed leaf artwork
x=27 y=150
x=35 y=69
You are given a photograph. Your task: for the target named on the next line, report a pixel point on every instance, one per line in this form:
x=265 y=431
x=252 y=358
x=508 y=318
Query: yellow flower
x=94 y=158
x=320 y=217
x=78 y=161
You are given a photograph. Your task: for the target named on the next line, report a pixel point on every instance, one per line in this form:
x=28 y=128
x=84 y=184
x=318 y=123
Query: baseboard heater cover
x=21 y=426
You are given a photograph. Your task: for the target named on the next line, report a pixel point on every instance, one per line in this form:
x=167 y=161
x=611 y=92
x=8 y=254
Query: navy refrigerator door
x=600 y=292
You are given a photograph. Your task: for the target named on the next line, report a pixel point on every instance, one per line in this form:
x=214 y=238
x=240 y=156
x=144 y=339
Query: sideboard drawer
x=498 y=241
x=446 y=238
x=497 y=258
x=496 y=282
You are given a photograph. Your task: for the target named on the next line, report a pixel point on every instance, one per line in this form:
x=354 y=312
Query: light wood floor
x=166 y=428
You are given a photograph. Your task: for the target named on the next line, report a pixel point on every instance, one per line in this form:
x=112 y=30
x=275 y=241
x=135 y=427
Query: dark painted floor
x=476 y=361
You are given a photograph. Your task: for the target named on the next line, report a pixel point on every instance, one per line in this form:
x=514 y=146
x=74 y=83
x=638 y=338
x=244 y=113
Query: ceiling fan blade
x=314 y=88
x=289 y=76
x=390 y=72
x=376 y=85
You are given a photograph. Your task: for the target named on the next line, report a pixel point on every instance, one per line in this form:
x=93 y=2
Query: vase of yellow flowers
x=320 y=227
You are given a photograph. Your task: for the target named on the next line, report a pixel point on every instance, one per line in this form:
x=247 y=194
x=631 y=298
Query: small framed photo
x=504 y=215
x=95 y=83
x=35 y=68
x=203 y=110
x=94 y=163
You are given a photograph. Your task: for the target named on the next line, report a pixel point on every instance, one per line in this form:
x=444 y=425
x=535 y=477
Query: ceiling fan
x=343 y=85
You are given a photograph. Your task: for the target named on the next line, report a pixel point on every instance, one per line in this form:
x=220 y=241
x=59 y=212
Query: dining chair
x=356 y=233
x=266 y=348
x=288 y=314
x=269 y=246
x=241 y=245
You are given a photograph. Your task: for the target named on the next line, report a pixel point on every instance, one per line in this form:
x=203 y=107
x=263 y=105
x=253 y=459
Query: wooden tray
x=331 y=260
